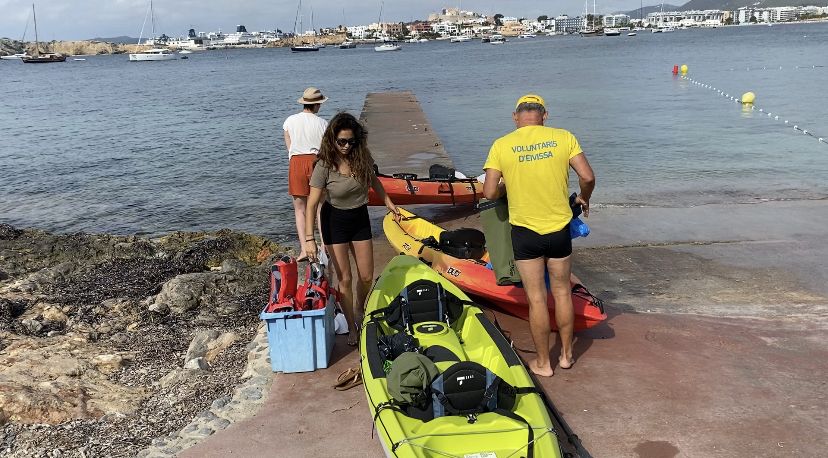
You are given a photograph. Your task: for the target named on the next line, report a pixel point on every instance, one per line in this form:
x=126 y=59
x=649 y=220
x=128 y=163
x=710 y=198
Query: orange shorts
x=299 y=174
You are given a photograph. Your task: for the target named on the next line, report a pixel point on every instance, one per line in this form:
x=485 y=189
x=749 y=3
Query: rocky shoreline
x=115 y=346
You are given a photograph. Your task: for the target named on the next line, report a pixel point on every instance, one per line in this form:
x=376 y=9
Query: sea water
x=106 y=145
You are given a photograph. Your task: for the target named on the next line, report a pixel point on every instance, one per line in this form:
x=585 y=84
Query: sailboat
x=388 y=45
x=39 y=58
x=303 y=47
x=151 y=55
x=589 y=30
x=640 y=20
x=347 y=44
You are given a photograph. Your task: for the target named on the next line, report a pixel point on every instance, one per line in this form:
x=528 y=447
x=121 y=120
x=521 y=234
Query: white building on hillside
x=692 y=18
x=445 y=28
x=566 y=24
x=616 y=20
x=359 y=31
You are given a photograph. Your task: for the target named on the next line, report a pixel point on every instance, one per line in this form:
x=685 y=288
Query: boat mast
x=152 y=18
x=37 y=42
x=594 y=13
x=379 y=21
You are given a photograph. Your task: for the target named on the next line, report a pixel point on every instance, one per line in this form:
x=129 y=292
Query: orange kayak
x=412 y=190
x=410 y=236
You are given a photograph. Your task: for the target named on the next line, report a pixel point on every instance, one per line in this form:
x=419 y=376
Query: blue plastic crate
x=300 y=341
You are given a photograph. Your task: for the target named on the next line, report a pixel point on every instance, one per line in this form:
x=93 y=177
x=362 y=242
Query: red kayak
x=407 y=189
x=474 y=278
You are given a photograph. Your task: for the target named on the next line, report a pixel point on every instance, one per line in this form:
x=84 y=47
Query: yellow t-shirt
x=534 y=161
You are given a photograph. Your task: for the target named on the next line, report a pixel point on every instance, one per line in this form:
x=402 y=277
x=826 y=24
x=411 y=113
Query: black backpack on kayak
x=463 y=243
x=440 y=172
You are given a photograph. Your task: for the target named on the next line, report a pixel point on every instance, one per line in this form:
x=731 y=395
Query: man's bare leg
x=532 y=276
x=559 y=276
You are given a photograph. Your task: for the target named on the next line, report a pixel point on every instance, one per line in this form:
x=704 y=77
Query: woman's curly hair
x=359 y=159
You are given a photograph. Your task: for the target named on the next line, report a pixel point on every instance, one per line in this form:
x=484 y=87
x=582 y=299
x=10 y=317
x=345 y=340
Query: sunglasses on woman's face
x=346 y=141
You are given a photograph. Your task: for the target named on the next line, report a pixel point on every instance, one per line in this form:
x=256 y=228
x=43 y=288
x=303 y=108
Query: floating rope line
x=795 y=67
x=722 y=93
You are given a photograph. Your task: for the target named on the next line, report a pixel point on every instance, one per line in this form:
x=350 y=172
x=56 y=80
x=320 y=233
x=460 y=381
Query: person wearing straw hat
x=534 y=163
x=303 y=136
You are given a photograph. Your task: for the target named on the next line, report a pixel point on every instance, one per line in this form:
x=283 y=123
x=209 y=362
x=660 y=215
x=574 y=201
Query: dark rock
x=11 y=309
x=32 y=327
x=8 y=232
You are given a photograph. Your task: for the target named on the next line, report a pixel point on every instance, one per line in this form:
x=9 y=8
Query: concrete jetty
x=399 y=134
x=715 y=343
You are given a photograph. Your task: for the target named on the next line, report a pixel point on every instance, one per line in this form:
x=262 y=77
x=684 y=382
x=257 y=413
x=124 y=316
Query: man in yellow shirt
x=533 y=162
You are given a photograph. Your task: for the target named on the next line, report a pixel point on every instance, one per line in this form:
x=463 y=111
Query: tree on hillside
x=497 y=18
x=543 y=18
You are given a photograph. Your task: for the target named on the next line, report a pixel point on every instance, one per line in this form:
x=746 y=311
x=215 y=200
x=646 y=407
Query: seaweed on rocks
x=8 y=232
x=86 y=302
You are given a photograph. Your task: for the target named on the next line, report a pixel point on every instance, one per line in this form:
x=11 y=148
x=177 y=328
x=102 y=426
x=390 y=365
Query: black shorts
x=344 y=226
x=528 y=244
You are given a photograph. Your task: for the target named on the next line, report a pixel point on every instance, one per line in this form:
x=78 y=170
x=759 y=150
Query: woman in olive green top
x=344 y=170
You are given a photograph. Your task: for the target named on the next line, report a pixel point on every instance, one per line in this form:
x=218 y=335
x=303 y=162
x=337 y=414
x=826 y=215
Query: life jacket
x=284 y=275
x=313 y=294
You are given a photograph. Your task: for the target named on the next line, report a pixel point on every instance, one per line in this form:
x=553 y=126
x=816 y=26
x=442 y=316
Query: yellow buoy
x=748 y=97
x=684 y=69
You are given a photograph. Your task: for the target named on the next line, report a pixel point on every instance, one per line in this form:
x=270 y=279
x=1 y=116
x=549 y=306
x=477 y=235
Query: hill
x=636 y=13
x=117 y=40
x=736 y=4
x=726 y=5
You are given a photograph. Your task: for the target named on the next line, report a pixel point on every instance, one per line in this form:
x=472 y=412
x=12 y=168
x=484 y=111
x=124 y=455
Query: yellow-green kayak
x=477 y=401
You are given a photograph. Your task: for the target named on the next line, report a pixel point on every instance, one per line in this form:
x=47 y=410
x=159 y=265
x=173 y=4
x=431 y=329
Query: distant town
x=454 y=22
x=449 y=24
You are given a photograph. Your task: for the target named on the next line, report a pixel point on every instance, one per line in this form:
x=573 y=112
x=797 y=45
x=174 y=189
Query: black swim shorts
x=528 y=244
x=344 y=226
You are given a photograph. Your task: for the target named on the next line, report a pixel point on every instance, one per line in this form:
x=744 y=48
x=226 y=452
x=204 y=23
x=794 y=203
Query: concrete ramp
x=399 y=135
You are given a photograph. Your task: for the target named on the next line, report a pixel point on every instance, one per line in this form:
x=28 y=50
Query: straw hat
x=311 y=96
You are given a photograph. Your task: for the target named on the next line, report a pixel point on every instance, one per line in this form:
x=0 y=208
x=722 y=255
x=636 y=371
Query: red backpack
x=284 y=275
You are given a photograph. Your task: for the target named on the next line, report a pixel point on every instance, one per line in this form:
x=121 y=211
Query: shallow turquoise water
x=108 y=146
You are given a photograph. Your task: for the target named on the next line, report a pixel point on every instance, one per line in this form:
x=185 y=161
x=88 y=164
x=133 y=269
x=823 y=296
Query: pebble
x=221 y=423
x=220 y=402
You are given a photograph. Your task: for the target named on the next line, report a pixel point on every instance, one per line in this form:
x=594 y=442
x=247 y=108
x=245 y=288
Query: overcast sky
x=80 y=19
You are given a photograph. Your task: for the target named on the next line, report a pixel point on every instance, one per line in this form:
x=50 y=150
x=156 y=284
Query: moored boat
x=38 y=57
x=17 y=56
x=304 y=48
x=390 y=46
x=152 y=55
x=472 y=396
x=417 y=236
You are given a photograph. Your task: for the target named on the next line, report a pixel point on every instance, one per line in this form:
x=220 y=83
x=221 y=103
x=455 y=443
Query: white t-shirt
x=305 y=130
